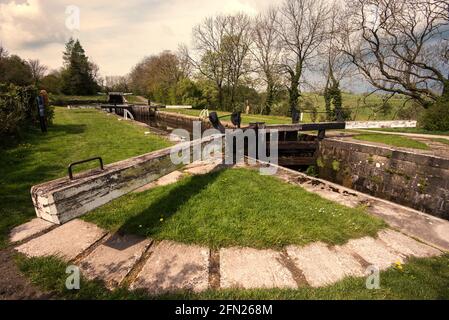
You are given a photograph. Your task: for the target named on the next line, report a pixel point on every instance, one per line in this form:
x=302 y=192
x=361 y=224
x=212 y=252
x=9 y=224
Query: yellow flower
x=399 y=265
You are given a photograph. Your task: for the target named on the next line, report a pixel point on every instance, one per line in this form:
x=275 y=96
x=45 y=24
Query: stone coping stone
x=66 y=242
x=249 y=268
x=29 y=229
x=174 y=267
x=322 y=265
x=406 y=245
x=374 y=252
x=388 y=152
x=113 y=260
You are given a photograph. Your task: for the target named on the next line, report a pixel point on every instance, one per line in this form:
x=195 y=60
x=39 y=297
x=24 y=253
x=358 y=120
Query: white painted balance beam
x=380 y=124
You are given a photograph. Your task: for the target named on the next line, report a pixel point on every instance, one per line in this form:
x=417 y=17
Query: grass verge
x=75 y=135
x=413 y=130
x=392 y=140
x=441 y=140
x=418 y=279
x=235 y=207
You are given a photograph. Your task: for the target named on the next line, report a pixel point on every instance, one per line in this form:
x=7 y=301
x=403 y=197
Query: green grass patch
x=419 y=279
x=392 y=140
x=412 y=130
x=75 y=135
x=235 y=207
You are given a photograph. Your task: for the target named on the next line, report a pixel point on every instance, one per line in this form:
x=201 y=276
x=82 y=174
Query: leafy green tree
x=52 y=82
x=78 y=76
x=15 y=70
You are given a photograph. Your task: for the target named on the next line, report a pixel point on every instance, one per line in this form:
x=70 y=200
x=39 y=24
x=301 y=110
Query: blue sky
x=115 y=34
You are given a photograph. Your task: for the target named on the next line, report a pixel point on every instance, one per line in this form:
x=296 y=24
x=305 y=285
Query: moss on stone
x=336 y=165
x=320 y=162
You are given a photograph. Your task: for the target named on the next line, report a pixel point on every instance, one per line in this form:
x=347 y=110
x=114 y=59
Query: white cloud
x=115 y=34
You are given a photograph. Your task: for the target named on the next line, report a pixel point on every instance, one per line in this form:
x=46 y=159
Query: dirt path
x=13 y=284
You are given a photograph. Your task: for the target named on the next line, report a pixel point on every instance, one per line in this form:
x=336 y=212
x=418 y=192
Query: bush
x=436 y=118
x=18 y=109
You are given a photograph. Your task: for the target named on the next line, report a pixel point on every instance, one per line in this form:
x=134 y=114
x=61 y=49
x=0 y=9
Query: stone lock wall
x=414 y=180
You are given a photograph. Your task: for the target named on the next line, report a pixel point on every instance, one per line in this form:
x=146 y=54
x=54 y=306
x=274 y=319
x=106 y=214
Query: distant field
x=361 y=109
x=62 y=99
x=81 y=98
x=414 y=130
x=246 y=119
x=361 y=106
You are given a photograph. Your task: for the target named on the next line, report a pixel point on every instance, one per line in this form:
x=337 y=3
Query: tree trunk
x=294 y=87
x=270 y=99
x=445 y=95
x=220 y=97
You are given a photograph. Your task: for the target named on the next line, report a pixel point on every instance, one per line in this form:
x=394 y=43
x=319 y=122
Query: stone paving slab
x=322 y=265
x=29 y=229
x=171 y=178
x=67 y=241
x=203 y=169
x=374 y=252
x=251 y=269
x=113 y=260
x=406 y=245
x=173 y=267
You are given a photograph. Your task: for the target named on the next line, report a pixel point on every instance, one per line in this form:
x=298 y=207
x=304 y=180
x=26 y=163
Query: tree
x=38 y=70
x=52 y=82
x=236 y=45
x=221 y=54
x=401 y=46
x=117 y=84
x=79 y=74
x=302 y=29
x=210 y=59
x=335 y=65
x=15 y=70
x=3 y=52
x=267 y=54
x=157 y=75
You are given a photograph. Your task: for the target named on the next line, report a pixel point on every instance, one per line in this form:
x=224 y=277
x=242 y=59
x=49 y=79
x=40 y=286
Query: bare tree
x=38 y=70
x=210 y=59
x=302 y=28
x=184 y=60
x=401 y=46
x=334 y=63
x=221 y=50
x=236 y=45
x=117 y=83
x=267 y=54
x=3 y=52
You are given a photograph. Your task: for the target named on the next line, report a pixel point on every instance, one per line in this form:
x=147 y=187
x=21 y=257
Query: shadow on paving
x=168 y=205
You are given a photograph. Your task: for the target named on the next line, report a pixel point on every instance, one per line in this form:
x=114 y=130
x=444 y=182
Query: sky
x=115 y=34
